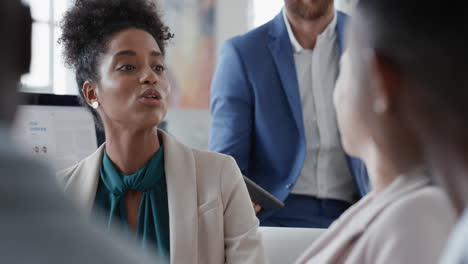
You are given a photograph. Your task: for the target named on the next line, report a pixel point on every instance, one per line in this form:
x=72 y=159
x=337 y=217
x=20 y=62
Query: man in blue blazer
x=272 y=110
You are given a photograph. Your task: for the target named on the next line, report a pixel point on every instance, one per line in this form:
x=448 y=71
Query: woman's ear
x=90 y=92
x=386 y=83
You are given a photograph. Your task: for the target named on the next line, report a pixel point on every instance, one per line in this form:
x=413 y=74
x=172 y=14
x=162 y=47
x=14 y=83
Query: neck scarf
x=153 y=217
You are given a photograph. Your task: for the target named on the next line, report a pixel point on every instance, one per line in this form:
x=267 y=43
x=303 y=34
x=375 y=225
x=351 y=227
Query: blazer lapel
x=183 y=203
x=341 y=21
x=84 y=181
x=282 y=52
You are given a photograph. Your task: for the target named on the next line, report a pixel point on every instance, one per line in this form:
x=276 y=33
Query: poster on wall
x=191 y=54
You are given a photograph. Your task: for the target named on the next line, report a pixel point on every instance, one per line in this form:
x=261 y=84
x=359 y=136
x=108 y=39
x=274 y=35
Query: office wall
x=233 y=18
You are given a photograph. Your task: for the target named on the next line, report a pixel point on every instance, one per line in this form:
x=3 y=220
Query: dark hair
x=15 y=53
x=89 y=24
x=16 y=22
x=427 y=41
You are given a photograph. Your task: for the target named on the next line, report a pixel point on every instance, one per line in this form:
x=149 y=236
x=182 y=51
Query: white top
x=325 y=173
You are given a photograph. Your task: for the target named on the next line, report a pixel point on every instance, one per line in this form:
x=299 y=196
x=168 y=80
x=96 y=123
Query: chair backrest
x=285 y=245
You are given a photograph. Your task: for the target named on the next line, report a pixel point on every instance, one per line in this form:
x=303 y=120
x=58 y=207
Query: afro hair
x=89 y=24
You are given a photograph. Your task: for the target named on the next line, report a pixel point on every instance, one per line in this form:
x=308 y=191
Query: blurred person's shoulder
x=429 y=201
x=456 y=252
x=419 y=220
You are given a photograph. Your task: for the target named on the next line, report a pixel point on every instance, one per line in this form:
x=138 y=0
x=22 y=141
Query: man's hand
x=257 y=207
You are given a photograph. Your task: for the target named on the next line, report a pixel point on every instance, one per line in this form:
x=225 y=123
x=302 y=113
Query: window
x=47 y=73
x=265 y=10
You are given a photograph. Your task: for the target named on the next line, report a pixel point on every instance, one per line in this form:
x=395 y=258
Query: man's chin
x=312 y=10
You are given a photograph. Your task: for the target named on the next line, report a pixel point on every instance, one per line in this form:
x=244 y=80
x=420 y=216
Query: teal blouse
x=153 y=217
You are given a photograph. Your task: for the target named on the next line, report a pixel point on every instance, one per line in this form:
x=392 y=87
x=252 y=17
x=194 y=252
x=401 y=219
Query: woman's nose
x=149 y=76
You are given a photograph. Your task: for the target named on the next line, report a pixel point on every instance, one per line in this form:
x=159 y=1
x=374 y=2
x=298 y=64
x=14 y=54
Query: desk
x=284 y=245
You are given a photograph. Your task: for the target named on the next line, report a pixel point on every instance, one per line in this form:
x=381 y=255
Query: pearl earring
x=95 y=104
x=380 y=106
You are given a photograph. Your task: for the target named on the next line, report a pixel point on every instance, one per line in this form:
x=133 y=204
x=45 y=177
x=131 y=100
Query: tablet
x=259 y=195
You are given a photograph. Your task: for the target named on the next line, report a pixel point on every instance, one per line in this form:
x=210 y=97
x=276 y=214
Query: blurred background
x=200 y=28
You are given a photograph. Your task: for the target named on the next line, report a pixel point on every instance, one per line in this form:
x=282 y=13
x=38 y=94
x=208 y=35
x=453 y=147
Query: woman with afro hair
x=187 y=204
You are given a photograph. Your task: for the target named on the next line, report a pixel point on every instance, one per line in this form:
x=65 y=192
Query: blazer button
x=288 y=186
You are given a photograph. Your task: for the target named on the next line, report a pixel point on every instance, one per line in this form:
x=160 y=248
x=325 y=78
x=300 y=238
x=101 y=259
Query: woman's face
x=133 y=89
x=351 y=107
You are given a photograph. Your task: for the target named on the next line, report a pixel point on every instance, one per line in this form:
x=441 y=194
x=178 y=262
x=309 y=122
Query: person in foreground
x=190 y=205
x=426 y=59
x=406 y=218
x=38 y=224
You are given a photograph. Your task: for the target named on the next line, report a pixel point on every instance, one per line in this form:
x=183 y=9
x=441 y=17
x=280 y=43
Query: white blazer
x=407 y=223
x=211 y=216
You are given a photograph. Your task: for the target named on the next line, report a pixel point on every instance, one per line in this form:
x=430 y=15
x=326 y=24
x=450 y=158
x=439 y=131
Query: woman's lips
x=151 y=97
x=149 y=100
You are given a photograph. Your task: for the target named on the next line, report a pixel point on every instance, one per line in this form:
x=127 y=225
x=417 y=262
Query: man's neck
x=130 y=150
x=307 y=31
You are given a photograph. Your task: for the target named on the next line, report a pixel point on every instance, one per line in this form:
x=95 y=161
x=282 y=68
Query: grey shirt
x=325 y=173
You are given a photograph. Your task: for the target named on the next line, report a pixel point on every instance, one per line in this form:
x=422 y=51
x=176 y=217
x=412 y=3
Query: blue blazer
x=256 y=108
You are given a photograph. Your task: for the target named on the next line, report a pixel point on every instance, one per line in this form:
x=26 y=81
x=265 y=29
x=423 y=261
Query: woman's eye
x=159 y=68
x=127 y=68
